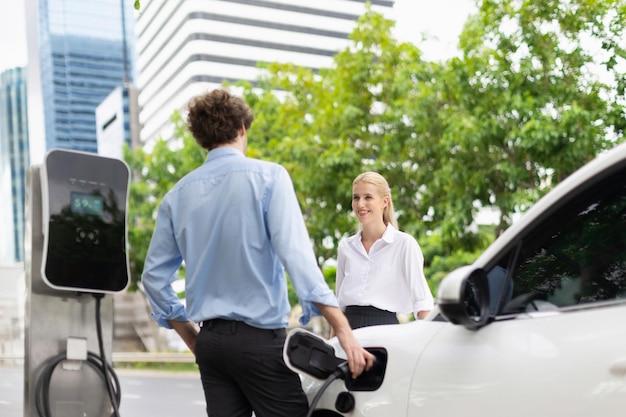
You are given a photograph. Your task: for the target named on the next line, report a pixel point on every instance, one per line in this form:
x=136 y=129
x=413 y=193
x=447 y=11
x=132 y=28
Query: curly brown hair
x=215 y=118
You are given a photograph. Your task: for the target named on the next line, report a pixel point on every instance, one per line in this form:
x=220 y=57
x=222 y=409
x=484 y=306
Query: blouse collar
x=388 y=236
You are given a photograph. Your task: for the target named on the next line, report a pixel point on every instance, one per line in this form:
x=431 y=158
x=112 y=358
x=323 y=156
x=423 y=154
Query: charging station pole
x=75 y=255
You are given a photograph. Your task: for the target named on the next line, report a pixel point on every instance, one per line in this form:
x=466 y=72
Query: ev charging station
x=75 y=259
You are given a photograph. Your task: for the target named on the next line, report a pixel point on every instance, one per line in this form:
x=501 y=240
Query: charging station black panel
x=84 y=199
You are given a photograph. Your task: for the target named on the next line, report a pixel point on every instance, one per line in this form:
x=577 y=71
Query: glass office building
x=78 y=53
x=14 y=161
x=185 y=48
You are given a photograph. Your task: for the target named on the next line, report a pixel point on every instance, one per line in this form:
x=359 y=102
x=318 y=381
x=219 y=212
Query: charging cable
x=114 y=392
x=342 y=372
x=42 y=394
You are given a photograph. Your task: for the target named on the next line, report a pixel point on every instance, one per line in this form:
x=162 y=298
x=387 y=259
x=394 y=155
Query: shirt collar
x=222 y=152
x=388 y=236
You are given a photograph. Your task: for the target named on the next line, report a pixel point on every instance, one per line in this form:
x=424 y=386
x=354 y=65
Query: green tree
x=537 y=92
x=518 y=111
x=327 y=127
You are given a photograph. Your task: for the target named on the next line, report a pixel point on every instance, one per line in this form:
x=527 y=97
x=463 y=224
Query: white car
x=535 y=327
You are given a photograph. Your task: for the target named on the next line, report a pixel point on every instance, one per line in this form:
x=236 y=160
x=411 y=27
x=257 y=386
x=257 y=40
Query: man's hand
x=359 y=359
x=187 y=331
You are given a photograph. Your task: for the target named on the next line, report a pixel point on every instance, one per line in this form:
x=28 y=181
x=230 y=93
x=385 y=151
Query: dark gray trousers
x=242 y=370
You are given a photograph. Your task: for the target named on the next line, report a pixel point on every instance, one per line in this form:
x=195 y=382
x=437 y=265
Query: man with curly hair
x=236 y=224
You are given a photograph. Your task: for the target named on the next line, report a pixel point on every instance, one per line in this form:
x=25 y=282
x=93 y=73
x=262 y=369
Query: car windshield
x=575 y=256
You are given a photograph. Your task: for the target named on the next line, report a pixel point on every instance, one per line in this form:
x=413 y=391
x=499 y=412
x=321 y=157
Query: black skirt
x=363 y=316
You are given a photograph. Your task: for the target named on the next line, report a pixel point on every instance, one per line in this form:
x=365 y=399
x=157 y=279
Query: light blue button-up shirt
x=236 y=224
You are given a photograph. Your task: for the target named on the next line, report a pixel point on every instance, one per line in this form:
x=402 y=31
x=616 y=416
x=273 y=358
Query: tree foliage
x=537 y=91
x=517 y=112
x=327 y=127
x=526 y=104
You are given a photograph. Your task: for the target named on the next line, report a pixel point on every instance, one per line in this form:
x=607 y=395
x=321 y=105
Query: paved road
x=144 y=393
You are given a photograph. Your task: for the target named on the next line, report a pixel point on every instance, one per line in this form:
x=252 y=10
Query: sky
x=433 y=25
x=440 y=20
x=12 y=35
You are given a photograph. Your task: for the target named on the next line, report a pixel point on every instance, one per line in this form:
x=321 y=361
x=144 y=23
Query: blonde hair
x=378 y=181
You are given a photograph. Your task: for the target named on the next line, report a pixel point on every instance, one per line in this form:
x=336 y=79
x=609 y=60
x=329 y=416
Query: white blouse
x=390 y=277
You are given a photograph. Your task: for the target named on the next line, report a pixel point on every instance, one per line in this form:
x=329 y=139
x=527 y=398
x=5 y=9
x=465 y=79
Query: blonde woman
x=380 y=270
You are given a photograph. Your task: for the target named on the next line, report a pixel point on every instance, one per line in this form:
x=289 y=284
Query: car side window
x=577 y=255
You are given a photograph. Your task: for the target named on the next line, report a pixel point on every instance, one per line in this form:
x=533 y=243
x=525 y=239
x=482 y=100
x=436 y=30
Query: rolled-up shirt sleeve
x=292 y=244
x=421 y=296
x=322 y=295
x=160 y=270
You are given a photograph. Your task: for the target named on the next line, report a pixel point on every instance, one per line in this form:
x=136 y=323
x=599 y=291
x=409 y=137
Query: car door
x=556 y=343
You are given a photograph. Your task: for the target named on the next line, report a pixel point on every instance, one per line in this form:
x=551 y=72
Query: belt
x=368 y=311
x=233 y=326
x=221 y=323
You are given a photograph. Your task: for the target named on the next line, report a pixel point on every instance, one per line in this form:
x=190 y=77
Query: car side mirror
x=463 y=297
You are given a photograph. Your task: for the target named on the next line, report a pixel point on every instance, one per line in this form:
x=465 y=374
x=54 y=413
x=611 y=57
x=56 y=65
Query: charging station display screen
x=85 y=199
x=82 y=203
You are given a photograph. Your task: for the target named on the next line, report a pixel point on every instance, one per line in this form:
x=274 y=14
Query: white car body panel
x=551 y=364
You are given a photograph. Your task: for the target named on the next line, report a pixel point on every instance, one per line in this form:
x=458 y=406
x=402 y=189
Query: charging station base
x=74 y=391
